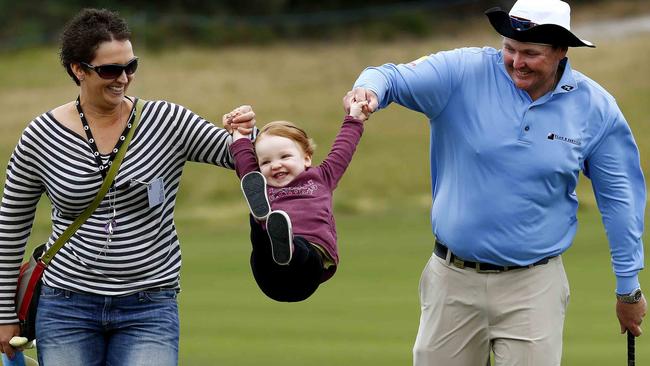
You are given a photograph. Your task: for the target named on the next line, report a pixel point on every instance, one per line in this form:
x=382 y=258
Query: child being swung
x=293 y=232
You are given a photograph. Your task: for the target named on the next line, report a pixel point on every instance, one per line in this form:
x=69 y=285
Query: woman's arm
x=22 y=191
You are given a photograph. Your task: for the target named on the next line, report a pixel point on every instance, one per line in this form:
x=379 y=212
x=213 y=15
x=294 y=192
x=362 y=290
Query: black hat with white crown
x=537 y=21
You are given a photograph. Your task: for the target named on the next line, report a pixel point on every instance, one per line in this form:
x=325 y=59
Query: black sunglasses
x=113 y=71
x=521 y=24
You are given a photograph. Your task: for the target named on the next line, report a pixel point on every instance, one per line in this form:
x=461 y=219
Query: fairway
x=368 y=313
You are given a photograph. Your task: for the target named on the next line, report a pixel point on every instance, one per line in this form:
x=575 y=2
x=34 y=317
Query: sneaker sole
x=253 y=185
x=278 y=227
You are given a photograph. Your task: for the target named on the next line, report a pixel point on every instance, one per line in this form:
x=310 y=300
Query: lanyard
x=103 y=167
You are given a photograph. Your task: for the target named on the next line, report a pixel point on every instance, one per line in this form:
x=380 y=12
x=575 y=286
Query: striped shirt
x=144 y=250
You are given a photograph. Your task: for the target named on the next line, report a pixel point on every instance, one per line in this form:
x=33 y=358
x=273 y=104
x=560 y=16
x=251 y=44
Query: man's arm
x=424 y=85
x=617 y=179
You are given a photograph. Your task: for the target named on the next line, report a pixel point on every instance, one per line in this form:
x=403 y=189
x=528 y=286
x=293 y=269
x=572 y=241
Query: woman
x=109 y=295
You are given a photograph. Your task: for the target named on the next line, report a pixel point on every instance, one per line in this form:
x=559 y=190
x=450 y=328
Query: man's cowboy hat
x=537 y=21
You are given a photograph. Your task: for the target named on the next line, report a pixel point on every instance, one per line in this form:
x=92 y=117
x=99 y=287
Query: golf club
x=630 y=349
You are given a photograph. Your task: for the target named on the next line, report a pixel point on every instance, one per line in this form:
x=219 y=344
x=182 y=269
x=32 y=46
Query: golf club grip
x=630 y=349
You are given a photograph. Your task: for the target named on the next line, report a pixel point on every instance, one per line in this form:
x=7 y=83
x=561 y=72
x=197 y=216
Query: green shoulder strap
x=108 y=181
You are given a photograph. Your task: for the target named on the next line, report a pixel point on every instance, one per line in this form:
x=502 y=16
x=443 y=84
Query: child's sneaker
x=253 y=185
x=278 y=226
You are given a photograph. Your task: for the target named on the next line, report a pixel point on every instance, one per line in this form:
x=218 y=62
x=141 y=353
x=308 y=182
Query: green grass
x=362 y=316
x=368 y=313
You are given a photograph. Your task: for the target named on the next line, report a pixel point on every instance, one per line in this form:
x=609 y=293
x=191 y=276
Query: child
x=292 y=224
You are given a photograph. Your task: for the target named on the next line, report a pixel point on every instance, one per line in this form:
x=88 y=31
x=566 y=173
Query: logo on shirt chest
x=554 y=136
x=306 y=189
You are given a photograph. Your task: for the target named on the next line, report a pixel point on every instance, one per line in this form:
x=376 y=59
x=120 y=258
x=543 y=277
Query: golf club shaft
x=630 y=349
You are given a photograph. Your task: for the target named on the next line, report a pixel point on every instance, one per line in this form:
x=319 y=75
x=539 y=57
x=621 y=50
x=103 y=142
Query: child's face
x=280 y=159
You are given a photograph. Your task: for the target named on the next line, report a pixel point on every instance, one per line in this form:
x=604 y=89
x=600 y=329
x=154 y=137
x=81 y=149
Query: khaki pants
x=518 y=315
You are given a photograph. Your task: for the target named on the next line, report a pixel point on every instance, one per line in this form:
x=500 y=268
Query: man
x=510 y=131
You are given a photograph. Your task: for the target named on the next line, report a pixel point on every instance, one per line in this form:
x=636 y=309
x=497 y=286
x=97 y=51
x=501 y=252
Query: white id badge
x=156 y=192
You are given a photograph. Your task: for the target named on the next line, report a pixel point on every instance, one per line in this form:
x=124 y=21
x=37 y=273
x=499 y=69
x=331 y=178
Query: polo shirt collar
x=567 y=82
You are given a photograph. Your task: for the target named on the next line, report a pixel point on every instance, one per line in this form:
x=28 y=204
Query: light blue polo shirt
x=504 y=168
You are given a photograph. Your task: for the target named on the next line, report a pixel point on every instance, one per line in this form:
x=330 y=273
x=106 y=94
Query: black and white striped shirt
x=144 y=250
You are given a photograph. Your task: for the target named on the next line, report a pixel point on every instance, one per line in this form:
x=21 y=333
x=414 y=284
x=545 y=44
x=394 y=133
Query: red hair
x=292 y=132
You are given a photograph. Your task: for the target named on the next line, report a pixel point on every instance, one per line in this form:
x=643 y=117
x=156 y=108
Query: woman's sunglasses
x=113 y=71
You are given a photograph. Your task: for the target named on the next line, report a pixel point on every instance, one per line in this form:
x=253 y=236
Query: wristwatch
x=631 y=298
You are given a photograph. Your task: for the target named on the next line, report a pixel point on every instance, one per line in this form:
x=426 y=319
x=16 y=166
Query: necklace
x=103 y=167
x=111 y=223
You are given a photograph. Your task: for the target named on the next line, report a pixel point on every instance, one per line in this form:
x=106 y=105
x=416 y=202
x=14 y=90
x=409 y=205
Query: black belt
x=441 y=251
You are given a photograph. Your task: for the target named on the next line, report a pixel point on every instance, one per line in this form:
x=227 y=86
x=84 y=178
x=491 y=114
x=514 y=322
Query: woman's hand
x=8 y=331
x=241 y=119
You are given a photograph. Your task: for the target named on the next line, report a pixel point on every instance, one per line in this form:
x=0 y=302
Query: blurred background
x=294 y=60
x=232 y=22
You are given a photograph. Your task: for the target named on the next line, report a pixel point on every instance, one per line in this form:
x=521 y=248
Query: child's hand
x=241 y=132
x=359 y=110
x=226 y=120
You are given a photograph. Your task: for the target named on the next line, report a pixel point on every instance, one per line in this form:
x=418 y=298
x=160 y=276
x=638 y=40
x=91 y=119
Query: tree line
x=163 y=23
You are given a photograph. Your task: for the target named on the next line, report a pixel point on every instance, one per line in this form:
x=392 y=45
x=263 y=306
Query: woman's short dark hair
x=85 y=32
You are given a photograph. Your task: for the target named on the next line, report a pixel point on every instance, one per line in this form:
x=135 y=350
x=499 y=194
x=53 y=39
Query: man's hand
x=630 y=316
x=361 y=95
x=8 y=331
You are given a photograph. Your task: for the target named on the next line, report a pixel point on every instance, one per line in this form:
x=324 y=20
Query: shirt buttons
x=527 y=128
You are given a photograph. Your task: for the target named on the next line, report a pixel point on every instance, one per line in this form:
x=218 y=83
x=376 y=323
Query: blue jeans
x=76 y=329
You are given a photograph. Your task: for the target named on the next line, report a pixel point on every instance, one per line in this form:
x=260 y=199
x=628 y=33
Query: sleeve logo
x=414 y=63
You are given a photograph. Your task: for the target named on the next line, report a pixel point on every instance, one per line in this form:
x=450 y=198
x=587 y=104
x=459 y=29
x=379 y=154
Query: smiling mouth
x=522 y=74
x=279 y=176
x=116 y=89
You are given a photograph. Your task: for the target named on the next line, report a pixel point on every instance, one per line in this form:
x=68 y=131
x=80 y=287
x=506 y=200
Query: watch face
x=631 y=298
